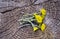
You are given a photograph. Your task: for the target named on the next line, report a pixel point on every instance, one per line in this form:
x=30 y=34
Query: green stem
x=31 y=24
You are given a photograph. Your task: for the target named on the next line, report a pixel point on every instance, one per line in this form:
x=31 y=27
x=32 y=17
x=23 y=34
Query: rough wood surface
x=9 y=15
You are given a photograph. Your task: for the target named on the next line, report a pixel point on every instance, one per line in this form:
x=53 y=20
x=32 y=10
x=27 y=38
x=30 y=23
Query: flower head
x=43 y=11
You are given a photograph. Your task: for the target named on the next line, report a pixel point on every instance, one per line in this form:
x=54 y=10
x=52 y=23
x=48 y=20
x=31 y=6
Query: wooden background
x=12 y=10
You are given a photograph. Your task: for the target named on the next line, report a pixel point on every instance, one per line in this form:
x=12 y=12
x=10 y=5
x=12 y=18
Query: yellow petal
x=43 y=26
x=43 y=11
x=35 y=28
x=38 y=18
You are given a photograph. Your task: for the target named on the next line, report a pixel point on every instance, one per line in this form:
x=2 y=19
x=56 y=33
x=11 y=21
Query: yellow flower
x=35 y=28
x=38 y=18
x=43 y=26
x=43 y=11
